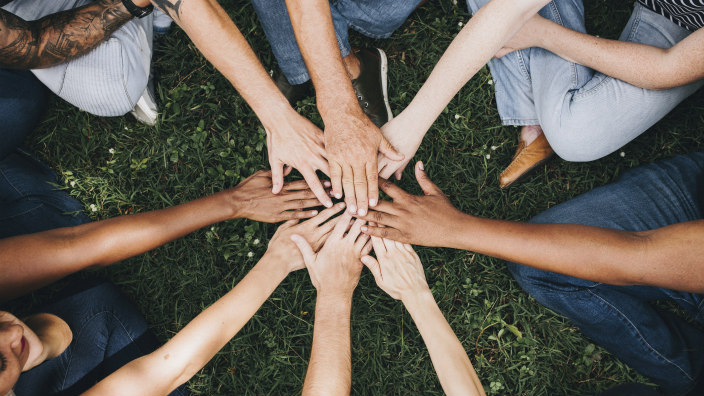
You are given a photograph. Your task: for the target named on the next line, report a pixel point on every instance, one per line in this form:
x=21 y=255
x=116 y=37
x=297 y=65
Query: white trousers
x=108 y=80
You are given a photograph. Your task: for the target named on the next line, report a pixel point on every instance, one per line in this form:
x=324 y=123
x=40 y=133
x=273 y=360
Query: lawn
x=208 y=139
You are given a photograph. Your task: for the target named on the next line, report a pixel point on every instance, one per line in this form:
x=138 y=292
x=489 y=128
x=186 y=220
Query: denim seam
x=639 y=335
x=522 y=65
x=9 y=181
x=369 y=34
x=512 y=121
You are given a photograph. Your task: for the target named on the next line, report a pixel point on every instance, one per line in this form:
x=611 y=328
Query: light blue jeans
x=373 y=18
x=585 y=115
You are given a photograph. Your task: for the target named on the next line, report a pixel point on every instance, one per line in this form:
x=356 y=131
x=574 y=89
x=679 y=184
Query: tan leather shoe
x=525 y=160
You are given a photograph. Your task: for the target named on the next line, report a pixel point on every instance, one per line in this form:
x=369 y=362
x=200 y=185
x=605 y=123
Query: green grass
x=208 y=139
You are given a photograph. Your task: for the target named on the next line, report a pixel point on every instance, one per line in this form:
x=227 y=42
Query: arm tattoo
x=58 y=37
x=170 y=7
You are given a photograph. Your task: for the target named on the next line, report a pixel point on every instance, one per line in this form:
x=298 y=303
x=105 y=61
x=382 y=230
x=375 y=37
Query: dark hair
x=3 y=363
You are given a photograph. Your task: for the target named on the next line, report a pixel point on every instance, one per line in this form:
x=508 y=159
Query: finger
x=380 y=218
x=384 y=169
x=326 y=214
x=392 y=190
x=298 y=214
x=315 y=186
x=429 y=188
x=304 y=248
x=367 y=247
x=348 y=187
x=277 y=177
x=341 y=225
x=336 y=180
x=361 y=242
x=373 y=265
x=372 y=184
x=360 y=189
x=322 y=165
x=300 y=204
x=379 y=247
x=398 y=173
x=287 y=169
x=296 y=185
x=288 y=223
x=385 y=232
x=355 y=230
x=389 y=151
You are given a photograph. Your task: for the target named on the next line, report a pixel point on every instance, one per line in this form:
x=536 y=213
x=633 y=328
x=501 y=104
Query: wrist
x=336 y=295
x=416 y=300
x=273 y=264
x=457 y=230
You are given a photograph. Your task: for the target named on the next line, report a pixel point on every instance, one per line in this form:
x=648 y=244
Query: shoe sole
x=385 y=82
x=528 y=171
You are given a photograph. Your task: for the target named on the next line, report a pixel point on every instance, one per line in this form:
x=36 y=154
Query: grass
x=207 y=139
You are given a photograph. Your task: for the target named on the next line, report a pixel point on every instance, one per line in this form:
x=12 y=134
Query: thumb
x=304 y=247
x=373 y=265
x=389 y=151
x=429 y=188
x=277 y=177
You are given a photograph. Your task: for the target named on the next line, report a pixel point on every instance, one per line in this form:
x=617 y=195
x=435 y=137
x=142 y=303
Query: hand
x=421 y=220
x=352 y=143
x=335 y=269
x=530 y=35
x=314 y=231
x=253 y=199
x=398 y=270
x=299 y=144
x=406 y=141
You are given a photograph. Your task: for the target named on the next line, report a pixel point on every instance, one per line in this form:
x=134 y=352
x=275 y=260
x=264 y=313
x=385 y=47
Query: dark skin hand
x=58 y=37
x=415 y=219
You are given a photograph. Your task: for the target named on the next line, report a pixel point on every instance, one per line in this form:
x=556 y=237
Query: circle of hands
x=335 y=246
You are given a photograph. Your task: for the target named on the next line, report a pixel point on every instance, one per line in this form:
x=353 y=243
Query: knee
x=574 y=143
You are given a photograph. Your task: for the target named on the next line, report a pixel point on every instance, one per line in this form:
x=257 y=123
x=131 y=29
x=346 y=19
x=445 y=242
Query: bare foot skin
x=530 y=132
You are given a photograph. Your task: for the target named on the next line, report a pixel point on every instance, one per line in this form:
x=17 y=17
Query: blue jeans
x=22 y=102
x=108 y=332
x=585 y=115
x=373 y=18
x=656 y=343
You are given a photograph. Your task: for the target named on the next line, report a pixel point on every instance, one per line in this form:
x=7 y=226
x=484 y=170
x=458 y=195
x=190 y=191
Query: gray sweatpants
x=108 y=80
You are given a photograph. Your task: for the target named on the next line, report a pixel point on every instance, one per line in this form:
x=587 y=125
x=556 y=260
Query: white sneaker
x=146 y=111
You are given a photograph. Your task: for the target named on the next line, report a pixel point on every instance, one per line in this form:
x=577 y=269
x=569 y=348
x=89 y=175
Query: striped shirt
x=687 y=13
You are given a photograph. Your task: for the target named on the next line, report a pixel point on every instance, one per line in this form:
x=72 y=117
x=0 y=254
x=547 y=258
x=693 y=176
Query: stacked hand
x=396 y=269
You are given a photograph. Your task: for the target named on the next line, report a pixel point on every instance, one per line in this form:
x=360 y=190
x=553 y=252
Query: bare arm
x=28 y=262
x=669 y=257
x=485 y=33
x=352 y=141
x=642 y=65
x=59 y=37
x=400 y=273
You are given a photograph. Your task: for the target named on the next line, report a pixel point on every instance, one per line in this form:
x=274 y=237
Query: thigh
x=375 y=18
x=23 y=100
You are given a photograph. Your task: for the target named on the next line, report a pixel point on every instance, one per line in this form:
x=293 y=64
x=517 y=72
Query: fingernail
x=341 y=205
x=353 y=209
x=420 y=165
x=364 y=228
x=327 y=183
x=362 y=212
x=338 y=195
x=328 y=204
x=372 y=202
x=314 y=212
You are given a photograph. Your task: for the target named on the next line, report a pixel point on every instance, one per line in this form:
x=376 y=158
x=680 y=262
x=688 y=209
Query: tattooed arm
x=58 y=37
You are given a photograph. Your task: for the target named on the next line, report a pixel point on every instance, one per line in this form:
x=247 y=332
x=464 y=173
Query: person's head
x=19 y=346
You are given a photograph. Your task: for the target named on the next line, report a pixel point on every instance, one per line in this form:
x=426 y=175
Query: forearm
x=667 y=257
x=28 y=262
x=58 y=37
x=454 y=369
x=330 y=367
x=216 y=36
x=474 y=46
x=195 y=345
x=313 y=26
x=642 y=65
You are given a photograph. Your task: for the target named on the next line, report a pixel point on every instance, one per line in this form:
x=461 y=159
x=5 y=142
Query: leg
x=109 y=80
x=578 y=111
x=30 y=200
x=108 y=332
x=22 y=103
x=620 y=318
x=373 y=18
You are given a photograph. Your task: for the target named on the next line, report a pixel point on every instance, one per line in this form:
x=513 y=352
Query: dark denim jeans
x=22 y=102
x=622 y=319
x=108 y=332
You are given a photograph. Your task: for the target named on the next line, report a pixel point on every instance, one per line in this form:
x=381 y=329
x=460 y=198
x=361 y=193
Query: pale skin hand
x=423 y=220
x=352 y=141
x=399 y=272
x=406 y=138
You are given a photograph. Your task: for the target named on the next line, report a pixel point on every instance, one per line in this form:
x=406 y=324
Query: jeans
x=373 y=18
x=23 y=100
x=654 y=342
x=108 y=80
x=585 y=115
x=108 y=332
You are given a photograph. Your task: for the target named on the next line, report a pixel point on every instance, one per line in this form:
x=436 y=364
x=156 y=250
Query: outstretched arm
x=28 y=262
x=485 y=33
x=642 y=65
x=667 y=257
x=58 y=37
x=334 y=271
x=186 y=353
x=399 y=273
